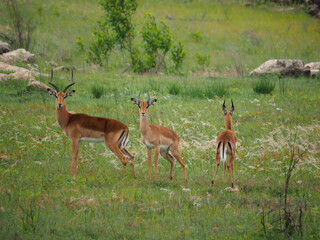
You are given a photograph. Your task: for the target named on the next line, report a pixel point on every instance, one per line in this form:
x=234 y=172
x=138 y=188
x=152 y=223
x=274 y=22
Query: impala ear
x=135 y=101
x=69 y=94
x=52 y=92
x=232 y=108
x=152 y=102
x=224 y=109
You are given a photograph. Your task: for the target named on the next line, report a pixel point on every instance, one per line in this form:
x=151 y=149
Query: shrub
x=196 y=36
x=178 y=54
x=156 y=42
x=264 y=86
x=203 y=60
x=97 y=91
x=114 y=29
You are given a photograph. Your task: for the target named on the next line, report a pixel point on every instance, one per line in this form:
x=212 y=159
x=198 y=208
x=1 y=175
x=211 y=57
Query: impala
x=226 y=145
x=162 y=139
x=81 y=127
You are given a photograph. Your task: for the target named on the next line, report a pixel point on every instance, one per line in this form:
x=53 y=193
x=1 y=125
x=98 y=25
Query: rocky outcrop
x=4 y=47
x=21 y=74
x=314 y=10
x=13 y=72
x=37 y=85
x=287 y=67
x=275 y=66
x=19 y=55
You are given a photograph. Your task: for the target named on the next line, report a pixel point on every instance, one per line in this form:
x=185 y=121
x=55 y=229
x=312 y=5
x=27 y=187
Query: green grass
x=266 y=85
x=39 y=200
x=97 y=91
x=237 y=38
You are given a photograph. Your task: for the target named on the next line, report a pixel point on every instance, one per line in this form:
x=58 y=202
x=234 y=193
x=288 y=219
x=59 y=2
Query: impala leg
x=229 y=170
x=176 y=153
x=149 y=162
x=131 y=157
x=224 y=171
x=217 y=166
x=75 y=152
x=168 y=156
x=232 y=167
x=156 y=159
x=116 y=150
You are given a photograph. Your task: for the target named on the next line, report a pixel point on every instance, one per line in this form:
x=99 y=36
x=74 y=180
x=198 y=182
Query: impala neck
x=144 y=125
x=62 y=117
x=228 y=122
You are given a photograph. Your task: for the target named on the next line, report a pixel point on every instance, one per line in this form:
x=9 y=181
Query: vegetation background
x=224 y=41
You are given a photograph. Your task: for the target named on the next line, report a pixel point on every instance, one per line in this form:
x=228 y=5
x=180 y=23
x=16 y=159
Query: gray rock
x=19 y=55
x=37 y=85
x=4 y=77
x=312 y=65
x=276 y=66
x=4 y=47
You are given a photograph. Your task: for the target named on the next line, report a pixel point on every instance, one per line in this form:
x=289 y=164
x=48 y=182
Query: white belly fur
x=95 y=140
x=148 y=145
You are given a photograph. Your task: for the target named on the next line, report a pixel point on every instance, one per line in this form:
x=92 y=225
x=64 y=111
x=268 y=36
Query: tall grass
x=264 y=85
x=97 y=91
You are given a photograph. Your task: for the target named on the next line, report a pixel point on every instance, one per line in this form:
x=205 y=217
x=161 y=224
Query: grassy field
x=39 y=200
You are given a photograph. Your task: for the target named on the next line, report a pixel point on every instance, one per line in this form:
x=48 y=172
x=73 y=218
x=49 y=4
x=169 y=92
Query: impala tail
x=223 y=150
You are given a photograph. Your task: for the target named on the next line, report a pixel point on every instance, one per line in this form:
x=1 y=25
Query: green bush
x=264 y=86
x=196 y=36
x=178 y=54
x=114 y=29
x=203 y=60
x=157 y=42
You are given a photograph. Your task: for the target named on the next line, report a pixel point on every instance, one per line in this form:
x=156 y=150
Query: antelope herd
x=81 y=127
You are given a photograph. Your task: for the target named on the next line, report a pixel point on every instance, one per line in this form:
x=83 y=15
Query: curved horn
x=232 y=103
x=223 y=105
x=139 y=96
x=51 y=83
x=73 y=82
x=148 y=101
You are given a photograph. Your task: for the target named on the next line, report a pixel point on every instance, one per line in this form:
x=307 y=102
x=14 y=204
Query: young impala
x=226 y=145
x=162 y=139
x=82 y=127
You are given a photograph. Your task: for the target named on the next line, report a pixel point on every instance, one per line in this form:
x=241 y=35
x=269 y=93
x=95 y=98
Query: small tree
x=20 y=18
x=114 y=29
x=156 y=42
x=178 y=54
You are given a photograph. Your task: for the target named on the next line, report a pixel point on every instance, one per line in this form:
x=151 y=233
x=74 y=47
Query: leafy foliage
x=178 y=54
x=203 y=60
x=156 y=42
x=114 y=29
